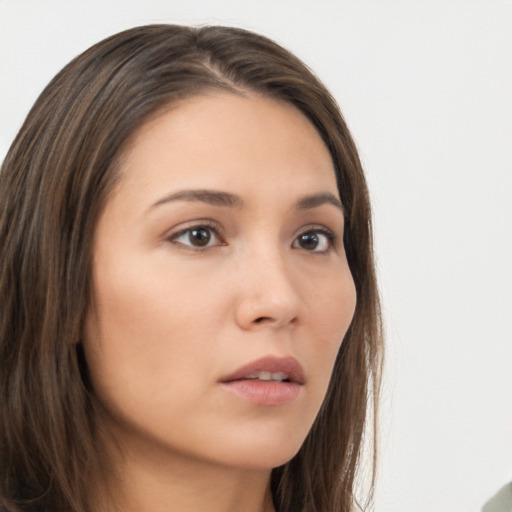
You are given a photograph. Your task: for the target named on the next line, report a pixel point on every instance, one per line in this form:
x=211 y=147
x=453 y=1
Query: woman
x=190 y=316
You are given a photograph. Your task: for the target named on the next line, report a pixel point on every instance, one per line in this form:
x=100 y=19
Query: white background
x=426 y=87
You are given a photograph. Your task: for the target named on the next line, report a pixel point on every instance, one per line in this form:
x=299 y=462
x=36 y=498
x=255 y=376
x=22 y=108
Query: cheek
x=335 y=311
x=144 y=295
x=331 y=309
x=140 y=339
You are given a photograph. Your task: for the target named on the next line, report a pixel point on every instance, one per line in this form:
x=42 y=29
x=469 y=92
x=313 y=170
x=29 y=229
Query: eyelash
x=196 y=227
x=331 y=238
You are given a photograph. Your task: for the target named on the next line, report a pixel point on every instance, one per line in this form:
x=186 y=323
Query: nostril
x=261 y=319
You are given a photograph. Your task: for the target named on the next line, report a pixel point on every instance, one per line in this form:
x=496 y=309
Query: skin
x=171 y=317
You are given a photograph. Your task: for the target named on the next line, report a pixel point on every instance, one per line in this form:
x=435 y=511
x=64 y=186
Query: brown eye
x=309 y=241
x=197 y=237
x=314 y=241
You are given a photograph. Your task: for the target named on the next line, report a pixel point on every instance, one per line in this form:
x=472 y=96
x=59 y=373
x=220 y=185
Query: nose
x=269 y=295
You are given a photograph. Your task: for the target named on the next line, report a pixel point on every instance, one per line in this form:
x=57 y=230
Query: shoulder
x=501 y=501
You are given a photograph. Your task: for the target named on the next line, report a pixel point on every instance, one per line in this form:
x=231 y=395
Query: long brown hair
x=54 y=182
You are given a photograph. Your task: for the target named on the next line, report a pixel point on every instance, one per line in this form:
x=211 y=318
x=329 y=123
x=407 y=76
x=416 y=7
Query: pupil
x=309 y=240
x=200 y=237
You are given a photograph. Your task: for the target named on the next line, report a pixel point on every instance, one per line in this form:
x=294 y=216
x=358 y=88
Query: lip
x=288 y=365
x=267 y=393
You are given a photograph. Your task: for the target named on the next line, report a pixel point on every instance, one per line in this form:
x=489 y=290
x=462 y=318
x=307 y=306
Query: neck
x=154 y=480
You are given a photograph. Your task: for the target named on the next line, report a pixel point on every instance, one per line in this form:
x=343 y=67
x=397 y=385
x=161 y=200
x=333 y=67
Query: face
x=221 y=287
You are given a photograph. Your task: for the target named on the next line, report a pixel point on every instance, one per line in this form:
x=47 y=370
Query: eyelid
x=318 y=228
x=177 y=232
x=172 y=235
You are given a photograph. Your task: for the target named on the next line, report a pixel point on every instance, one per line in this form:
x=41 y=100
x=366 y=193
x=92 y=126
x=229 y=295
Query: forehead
x=226 y=139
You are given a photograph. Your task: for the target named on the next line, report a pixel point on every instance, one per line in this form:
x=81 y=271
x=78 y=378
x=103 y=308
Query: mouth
x=271 y=368
x=267 y=376
x=267 y=381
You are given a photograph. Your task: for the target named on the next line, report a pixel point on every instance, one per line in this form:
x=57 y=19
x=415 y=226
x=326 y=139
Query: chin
x=261 y=453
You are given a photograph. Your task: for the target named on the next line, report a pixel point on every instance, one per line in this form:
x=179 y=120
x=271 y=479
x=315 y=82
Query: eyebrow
x=226 y=199
x=212 y=197
x=316 y=200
